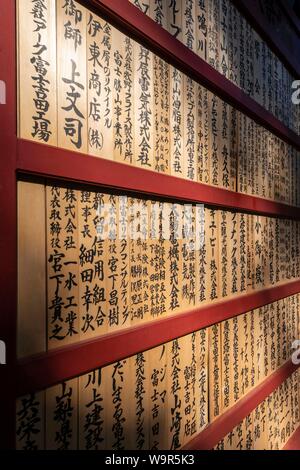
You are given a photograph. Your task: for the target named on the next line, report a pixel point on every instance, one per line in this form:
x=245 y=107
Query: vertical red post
x=8 y=218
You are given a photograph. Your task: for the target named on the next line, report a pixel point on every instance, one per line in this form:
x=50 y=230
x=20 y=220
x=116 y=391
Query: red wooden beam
x=294 y=441
x=254 y=15
x=47 y=369
x=218 y=429
x=136 y=24
x=49 y=161
x=8 y=216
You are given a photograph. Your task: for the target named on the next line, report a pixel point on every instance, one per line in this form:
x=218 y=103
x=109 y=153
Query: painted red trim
x=218 y=429
x=253 y=14
x=8 y=216
x=41 y=371
x=54 y=162
x=133 y=22
x=294 y=441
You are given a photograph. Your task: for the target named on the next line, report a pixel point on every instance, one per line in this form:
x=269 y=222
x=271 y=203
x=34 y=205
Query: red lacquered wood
x=46 y=369
x=294 y=441
x=48 y=161
x=132 y=21
x=8 y=273
x=224 y=424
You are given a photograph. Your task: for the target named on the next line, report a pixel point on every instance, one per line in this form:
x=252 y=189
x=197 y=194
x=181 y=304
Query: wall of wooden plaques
x=176 y=389
x=105 y=95
x=100 y=262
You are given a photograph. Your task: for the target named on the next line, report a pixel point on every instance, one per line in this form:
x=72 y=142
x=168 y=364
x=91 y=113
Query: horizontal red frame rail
x=58 y=163
x=294 y=441
x=253 y=14
x=136 y=24
x=218 y=429
x=47 y=369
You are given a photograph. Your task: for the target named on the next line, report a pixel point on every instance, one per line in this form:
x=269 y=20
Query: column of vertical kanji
x=145 y=258
x=202 y=379
x=140 y=401
x=123 y=244
x=188 y=274
x=258 y=159
x=176 y=123
x=159 y=12
x=189 y=128
x=143 y=110
x=157 y=114
x=91 y=419
x=258 y=66
x=162 y=111
x=188 y=357
x=215 y=372
x=202 y=136
x=62 y=416
x=99 y=87
x=119 y=411
x=175 y=18
x=62 y=266
x=201 y=27
x=158 y=398
x=251 y=157
x=37 y=105
x=118 y=93
x=224 y=253
x=249 y=49
x=234 y=274
x=31 y=331
x=175 y=393
x=242 y=164
x=30 y=422
x=259 y=427
x=71 y=76
x=93 y=264
x=135 y=255
x=175 y=256
x=213 y=23
x=227 y=364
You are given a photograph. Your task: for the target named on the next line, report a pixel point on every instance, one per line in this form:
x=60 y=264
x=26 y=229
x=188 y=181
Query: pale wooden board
x=176 y=123
x=175 y=256
x=242 y=154
x=233 y=253
x=250 y=128
x=158 y=398
x=224 y=253
x=213 y=34
x=215 y=372
x=225 y=152
x=119 y=405
x=100 y=79
x=215 y=116
x=257 y=67
x=124 y=261
x=227 y=358
x=142 y=5
x=188 y=274
x=233 y=148
x=136 y=280
x=143 y=109
x=62 y=416
x=72 y=77
x=36 y=49
x=175 y=18
x=91 y=419
x=201 y=255
x=242 y=252
x=189 y=128
x=31 y=328
x=93 y=271
x=118 y=93
x=175 y=395
x=203 y=135
x=234 y=20
x=62 y=266
x=189 y=24
x=145 y=259
x=203 y=379
x=259 y=417
x=30 y=422
x=159 y=12
x=201 y=20
x=212 y=253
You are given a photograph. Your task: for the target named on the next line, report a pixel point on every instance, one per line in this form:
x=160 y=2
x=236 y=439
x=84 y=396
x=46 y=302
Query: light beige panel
x=259 y=418
x=188 y=253
x=158 y=398
x=203 y=379
x=30 y=422
x=227 y=369
x=212 y=253
x=176 y=122
x=224 y=253
x=100 y=79
x=93 y=271
x=135 y=262
x=175 y=18
x=215 y=372
x=203 y=135
x=213 y=34
x=143 y=111
x=189 y=128
x=72 y=77
x=31 y=269
x=201 y=20
x=175 y=401
x=62 y=416
x=159 y=12
x=37 y=71
x=62 y=266
x=119 y=405
x=188 y=358
x=91 y=419
x=189 y=24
